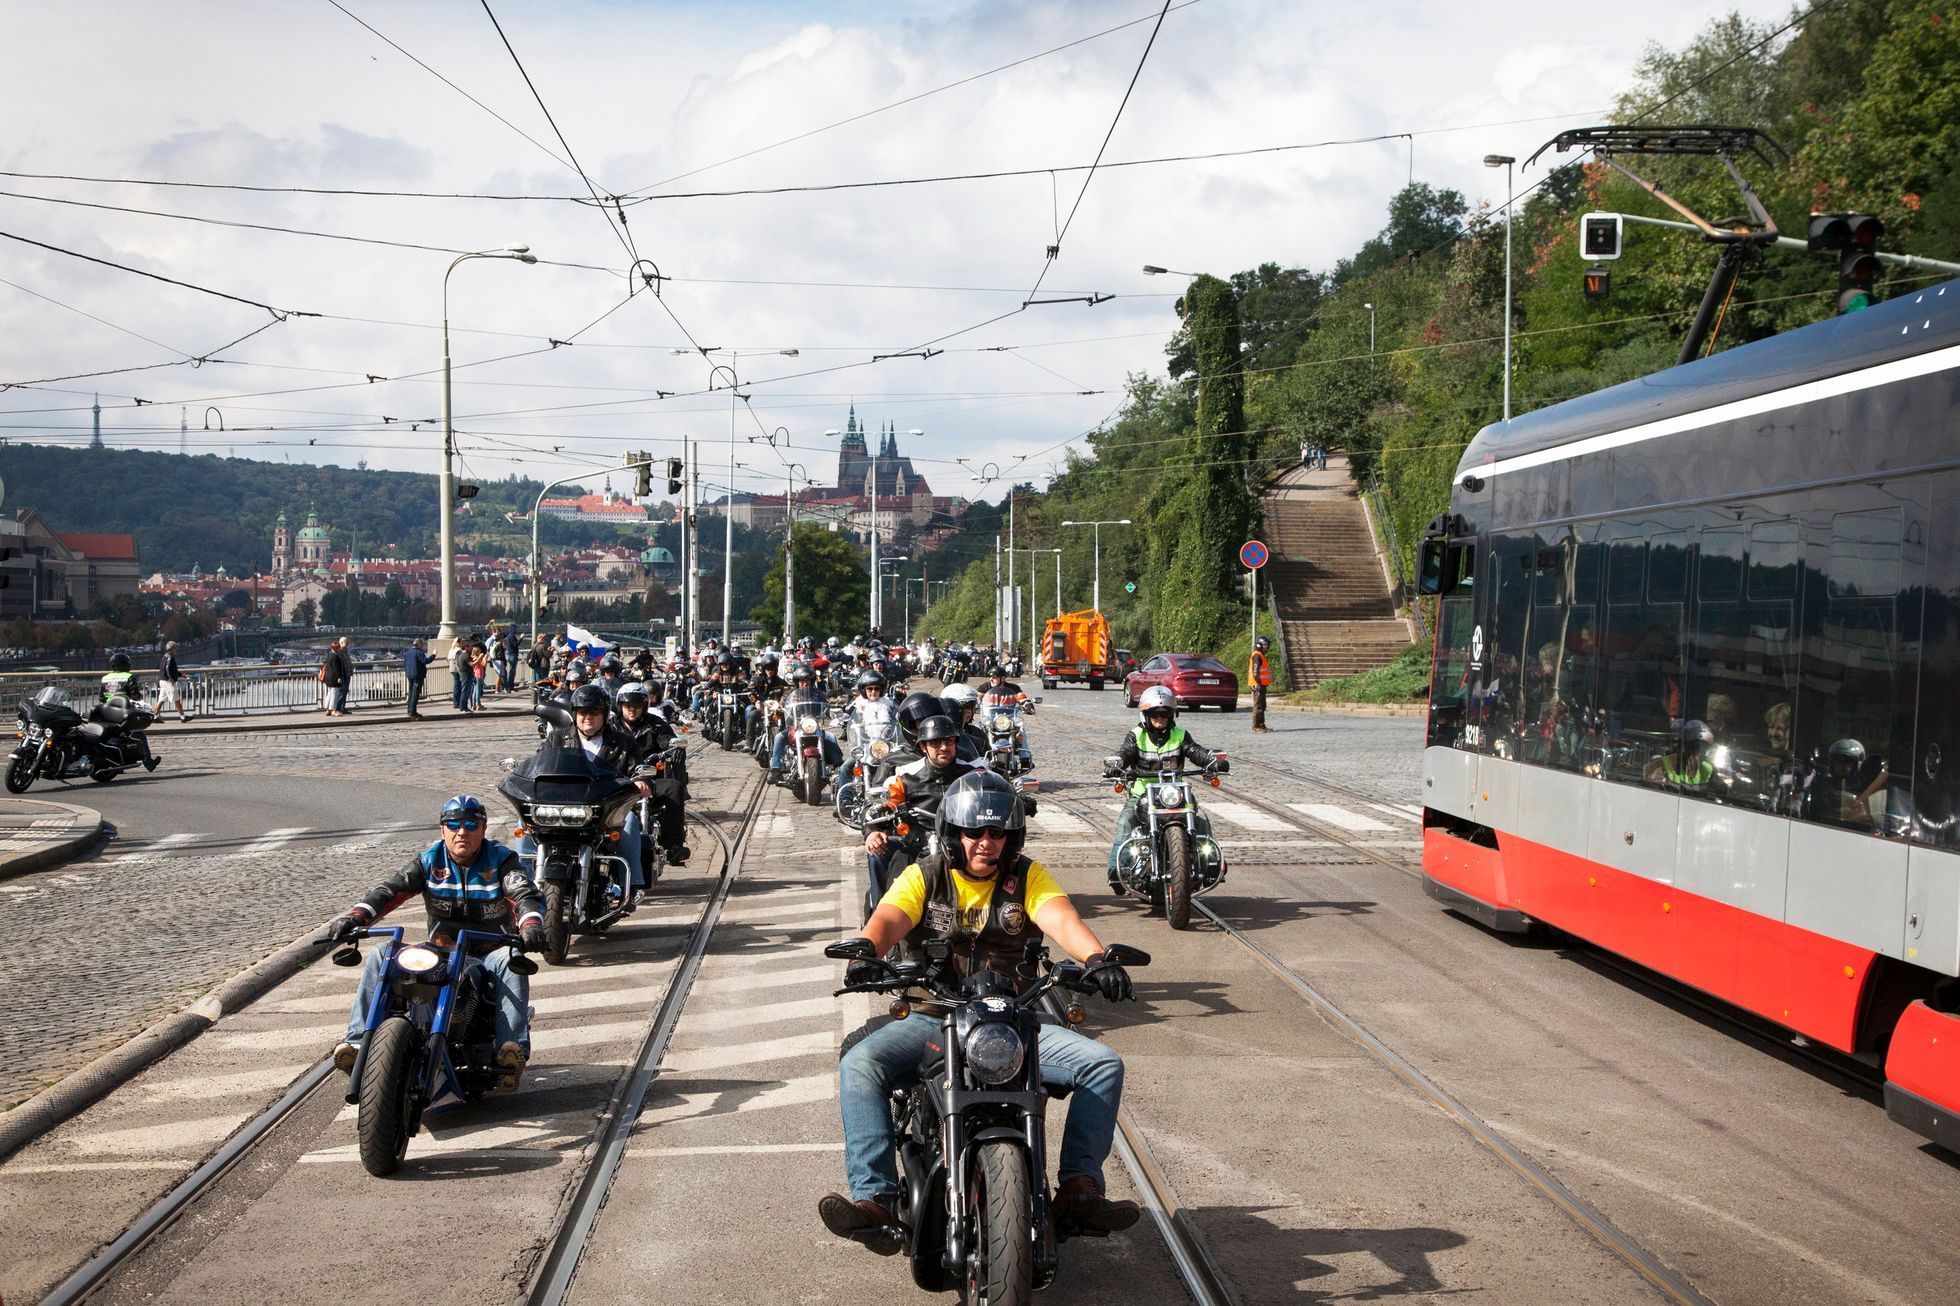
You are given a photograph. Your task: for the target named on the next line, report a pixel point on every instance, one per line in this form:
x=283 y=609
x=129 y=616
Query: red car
x=1196 y=680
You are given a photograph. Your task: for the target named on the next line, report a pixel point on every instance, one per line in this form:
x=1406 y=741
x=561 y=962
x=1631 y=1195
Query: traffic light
x=673 y=476
x=643 y=474
x=1601 y=236
x=1853 y=237
x=547 y=599
x=1599 y=281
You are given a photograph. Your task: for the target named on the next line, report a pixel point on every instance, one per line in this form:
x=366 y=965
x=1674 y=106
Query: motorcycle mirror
x=1112 y=763
x=1035 y=699
x=1122 y=954
x=522 y=965
x=1030 y=785
x=508 y=764
x=347 y=956
x=847 y=950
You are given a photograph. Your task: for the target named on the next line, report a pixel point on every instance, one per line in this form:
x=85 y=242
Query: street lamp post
x=1505 y=161
x=446 y=482
x=728 y=498
x=537 y=575
x=1098 y=525
x=1371 y=327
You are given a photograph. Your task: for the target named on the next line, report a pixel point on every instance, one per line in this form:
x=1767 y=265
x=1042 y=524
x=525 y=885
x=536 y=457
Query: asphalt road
x=1311 y=1167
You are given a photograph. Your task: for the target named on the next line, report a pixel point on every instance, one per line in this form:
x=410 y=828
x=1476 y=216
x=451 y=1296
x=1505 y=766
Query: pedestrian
x=336 y=670
x=459 y=666
x=1259 y=674
x=479 y=668
x=168 y=674
x=507 y=678
x=540 y=659
x=1320 y=457
x=415 y=668
x=1306 y=454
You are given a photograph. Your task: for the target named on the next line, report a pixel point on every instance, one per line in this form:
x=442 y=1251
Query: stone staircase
x=1330 y=585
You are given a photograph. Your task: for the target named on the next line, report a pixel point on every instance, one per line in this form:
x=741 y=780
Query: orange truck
x=1075 y=647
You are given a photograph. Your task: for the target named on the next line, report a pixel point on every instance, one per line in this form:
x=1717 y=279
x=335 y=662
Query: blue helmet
x=463 y=805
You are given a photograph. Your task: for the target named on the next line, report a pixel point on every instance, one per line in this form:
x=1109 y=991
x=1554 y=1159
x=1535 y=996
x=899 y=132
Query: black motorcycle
x=974 y=1210
x=573 y=810
x=804 y=718
x=57 y=742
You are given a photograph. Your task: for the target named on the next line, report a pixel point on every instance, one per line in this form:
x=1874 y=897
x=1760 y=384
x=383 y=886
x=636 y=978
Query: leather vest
x=1000 y=944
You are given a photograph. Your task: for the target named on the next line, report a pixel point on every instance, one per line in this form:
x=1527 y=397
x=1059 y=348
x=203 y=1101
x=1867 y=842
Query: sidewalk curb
x=67 y=848
x=1354 y=709
x=312 y=719
x=76 y=1091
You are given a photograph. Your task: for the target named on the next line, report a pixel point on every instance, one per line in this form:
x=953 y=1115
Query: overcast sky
x=656 y=99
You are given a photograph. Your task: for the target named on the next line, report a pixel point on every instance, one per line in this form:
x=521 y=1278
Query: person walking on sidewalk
x=168 y=674
x=335 y=673
x=1259 y=674
x=459 y=667
x=415 y=669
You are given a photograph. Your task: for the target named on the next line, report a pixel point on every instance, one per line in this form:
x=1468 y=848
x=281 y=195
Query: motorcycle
x=1166 y=860
x=803 y=718
x=974 y=1210
x=572 y=810
x=725 y=717
x=864 y=749
x=771 y=722
x=911 y=834
x=57 y=742
x=431 y=1037
x=1002 y=723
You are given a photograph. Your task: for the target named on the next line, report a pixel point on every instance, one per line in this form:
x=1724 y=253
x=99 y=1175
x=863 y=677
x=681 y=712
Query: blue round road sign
x=1253 y=554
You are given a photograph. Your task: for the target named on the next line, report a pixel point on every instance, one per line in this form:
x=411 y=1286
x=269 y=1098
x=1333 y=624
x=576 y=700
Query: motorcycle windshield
x=802 y=705
x=53 y=696
x=562 y=775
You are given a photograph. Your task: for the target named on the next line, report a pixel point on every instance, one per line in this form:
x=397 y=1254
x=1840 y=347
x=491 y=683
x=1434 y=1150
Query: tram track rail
x=1649 y=1266
x=559 y=1261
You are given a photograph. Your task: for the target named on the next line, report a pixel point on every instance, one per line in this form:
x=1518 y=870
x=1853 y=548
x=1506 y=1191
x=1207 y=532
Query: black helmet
x=867 y=678
x=725 y=661
x=632 y=692
x=975 y=800
x=120 y=662
x=937 y=727
x=576 y=673
x=953 y=708
x=613 y=665
x=996 y=669
x=914 y=708
x=1262 y=643
x=590 y=698
x=802 y=671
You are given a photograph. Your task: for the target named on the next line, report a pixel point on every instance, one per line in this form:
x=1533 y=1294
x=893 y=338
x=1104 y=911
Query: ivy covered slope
x=1864 y=95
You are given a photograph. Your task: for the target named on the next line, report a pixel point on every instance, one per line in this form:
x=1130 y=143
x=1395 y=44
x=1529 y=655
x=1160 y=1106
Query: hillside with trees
x=1864 y=96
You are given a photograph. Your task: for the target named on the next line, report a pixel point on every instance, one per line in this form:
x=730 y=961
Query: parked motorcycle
x=57 y=742
x=974 y=1210
x=573 y=811
x=431 y=1037
x=1167 y=861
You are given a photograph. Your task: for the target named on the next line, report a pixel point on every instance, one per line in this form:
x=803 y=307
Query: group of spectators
x=479 y=664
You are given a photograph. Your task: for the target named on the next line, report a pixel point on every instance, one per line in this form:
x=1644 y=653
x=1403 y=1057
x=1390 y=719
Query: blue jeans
x=511 y=990
x=833 y=756
x=888 y=1059
x=628 y=849
x=458 y=691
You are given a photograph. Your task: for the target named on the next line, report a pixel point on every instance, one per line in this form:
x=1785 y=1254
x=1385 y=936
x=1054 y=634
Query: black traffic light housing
x=1853 y=237
x=1601 y=237
x=643 y=474
x=1599 y=281
x=673 y=476
x=466 y=491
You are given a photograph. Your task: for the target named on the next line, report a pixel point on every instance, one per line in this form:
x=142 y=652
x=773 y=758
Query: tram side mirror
x=1429 y=566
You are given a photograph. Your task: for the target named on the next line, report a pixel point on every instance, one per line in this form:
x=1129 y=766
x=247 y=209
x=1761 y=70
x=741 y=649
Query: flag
x=585 y=642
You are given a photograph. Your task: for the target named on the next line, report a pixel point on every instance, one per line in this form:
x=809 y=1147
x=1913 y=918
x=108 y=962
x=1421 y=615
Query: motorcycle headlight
x=994 y=1053
x=807 y=724
x=880 y=748
x=418 y=960
x=1000 y=725
x=1168 y=796
x=569 y=813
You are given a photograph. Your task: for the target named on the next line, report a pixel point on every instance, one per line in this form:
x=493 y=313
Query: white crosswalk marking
x=271 y=840
x=774 y=825
x=1249 y=818
x=1399 y=811
x=1053 y=820
x=156 y=848
x=1340 y=816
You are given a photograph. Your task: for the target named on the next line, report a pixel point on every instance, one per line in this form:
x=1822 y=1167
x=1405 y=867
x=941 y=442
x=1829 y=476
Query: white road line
x=743 y=1149
x=1340 y=816
x=749 y=982
x=271 y=840
x=1396 y=811
x=203 y=1086
x=690 y=1060
x=160 y=847
x=1053 y=820
x=790 y=1092
x=85 y=1167
x=767 y=1013
x=1250 y=818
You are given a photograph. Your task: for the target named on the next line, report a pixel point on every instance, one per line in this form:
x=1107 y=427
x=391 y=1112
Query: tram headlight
x=994 y=1053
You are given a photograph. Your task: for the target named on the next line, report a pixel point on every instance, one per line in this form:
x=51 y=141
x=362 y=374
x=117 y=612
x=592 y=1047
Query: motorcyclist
x=912 y=710
x=769 y=681
x=467 y=882
x=962 y=704
x=925 y=779
x=868 y=716
x=652 y=736
x=1157 y=744
x=999 y=691
x=607 y=745
x=982 y=892
x=120 y=679
x=805 y=698
x=612 y=674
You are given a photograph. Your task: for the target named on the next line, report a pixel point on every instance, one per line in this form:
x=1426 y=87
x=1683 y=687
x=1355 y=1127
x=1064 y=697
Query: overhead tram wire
x=50 y=299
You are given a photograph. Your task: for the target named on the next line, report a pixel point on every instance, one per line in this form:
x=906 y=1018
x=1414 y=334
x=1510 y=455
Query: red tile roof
x=101 y=547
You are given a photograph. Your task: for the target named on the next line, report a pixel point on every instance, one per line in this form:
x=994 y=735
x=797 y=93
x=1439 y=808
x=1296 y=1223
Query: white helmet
x=963 y=694
x=786 y=666
x=1156 y=698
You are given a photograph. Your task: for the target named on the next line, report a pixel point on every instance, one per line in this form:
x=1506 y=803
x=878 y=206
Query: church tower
x=282 y=548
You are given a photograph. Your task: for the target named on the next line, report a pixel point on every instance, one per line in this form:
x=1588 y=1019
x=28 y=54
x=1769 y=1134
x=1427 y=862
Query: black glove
x=343 y=928
x=532 y=935
x=1113 y=982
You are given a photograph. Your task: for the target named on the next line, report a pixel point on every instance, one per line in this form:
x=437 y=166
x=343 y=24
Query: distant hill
x=214 y=512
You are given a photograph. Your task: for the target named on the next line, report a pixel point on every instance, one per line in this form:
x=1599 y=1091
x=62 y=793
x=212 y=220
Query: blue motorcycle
x=431 y=1037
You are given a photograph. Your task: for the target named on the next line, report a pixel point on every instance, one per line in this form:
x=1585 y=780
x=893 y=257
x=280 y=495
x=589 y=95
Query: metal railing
x=1378 y=508
x=254 y=689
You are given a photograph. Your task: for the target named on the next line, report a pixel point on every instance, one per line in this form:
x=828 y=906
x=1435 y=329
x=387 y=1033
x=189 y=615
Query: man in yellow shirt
x=981 y=893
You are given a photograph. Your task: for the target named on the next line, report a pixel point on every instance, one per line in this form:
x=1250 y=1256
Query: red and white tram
x=1696 y=695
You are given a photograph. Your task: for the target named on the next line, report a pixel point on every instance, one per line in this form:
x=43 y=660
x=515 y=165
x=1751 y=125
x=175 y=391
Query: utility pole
x=694 y=550
x=1008 y=635
x=997 y=593
x=789 y=560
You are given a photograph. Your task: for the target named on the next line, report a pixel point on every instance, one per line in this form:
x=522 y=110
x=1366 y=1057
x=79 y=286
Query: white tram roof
x=1913 y=334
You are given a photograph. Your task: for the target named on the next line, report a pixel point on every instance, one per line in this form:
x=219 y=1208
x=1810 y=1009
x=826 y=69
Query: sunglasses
x=462 y=823
x=984 y=833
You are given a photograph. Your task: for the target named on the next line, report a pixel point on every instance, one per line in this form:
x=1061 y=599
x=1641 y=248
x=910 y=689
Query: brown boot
x=866 y=1222
x=1080 y=1204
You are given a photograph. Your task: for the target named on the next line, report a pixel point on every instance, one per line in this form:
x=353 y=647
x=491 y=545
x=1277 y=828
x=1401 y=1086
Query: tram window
x=1494 y=709
x=1640 y=689
x=1854 y=714
x=1865 y=553
x=1586 y=569
x=1935 y=773
x=1667 y=567
x=1775 y=549
x=1450 y=676
x=1548 y=584
x=1626 y=571
x=1718 y=576
x=1558 y=687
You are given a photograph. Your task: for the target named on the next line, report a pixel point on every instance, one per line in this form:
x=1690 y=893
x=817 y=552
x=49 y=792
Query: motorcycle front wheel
x=812 y=781
x=727 y=739
x=1177 y=876
x=387 y=1111
x=20 y=773
x=1000 y=1269
x=557 y=923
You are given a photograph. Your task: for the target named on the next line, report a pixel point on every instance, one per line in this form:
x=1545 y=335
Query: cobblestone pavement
x=98 y=949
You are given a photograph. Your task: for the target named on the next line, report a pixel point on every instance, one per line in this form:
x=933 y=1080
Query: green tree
x=833 y=589
x=1421 y=220
x=307 y=613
